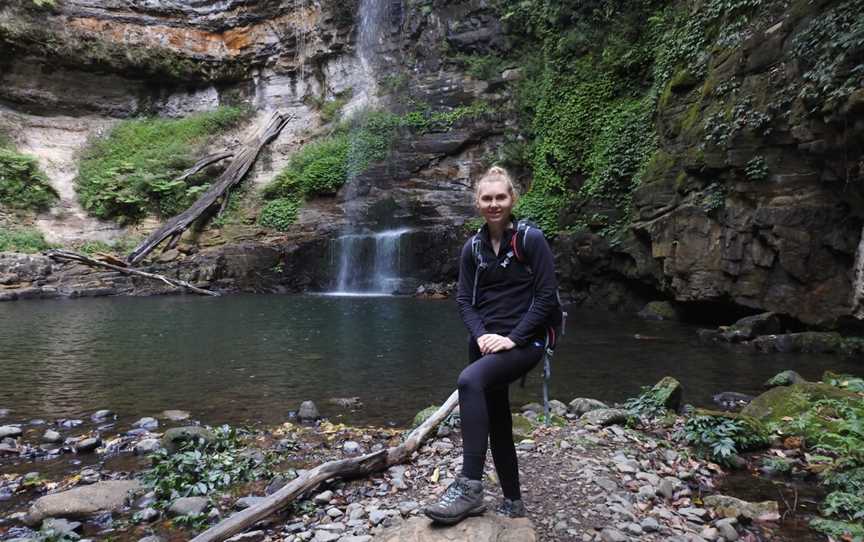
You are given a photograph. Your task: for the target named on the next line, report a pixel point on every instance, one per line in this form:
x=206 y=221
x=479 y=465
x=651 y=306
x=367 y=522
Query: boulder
x=101 y=415
x=176 y=437
x=88 y=445
x=523 y=428
x=581 y=405
x=659 y=310
x=488 y=528
x=147 y=446
x=766 y=323
x=786 y=378
x=10 y=431
x=308 y=412
x=605 y=416
x=777 y=403
x=423 y=415
x=730 y=507
x=668 y=393
x=817 y=342
x=83 y=501
x=188 y=506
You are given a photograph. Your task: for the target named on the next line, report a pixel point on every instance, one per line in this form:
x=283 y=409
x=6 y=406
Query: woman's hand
x=491 y=343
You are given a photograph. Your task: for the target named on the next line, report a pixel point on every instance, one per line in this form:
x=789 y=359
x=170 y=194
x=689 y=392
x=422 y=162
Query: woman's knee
x=470 y=380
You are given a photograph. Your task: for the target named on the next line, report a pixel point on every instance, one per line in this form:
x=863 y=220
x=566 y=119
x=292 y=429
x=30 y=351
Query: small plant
x=22 y=240
x=22 y=183
x=756 y=169
x=714 y=198
x=721 y=438
x=280 y=213
x=844 y=505
x=201 y=468
x=776 y=465
x=646 y=405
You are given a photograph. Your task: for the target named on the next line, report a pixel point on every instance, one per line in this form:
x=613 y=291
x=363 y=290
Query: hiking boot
x=511 y=509
x=463 y=498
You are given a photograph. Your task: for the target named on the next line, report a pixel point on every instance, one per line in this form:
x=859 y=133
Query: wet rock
x=786 y=378
x=486 y=528
x=147 y=446
x=245 y=502
x=176 y=437
x=730 y=507
x=10 y=431
x=659 y=310
x=175 y=415
x=88 y=445
x=308 y=412
x=83 y=501
x=581 y=405
x=9 y=446
x=730 y=400
x=817 y=342
x=250 y=536
x=324 y=497
x=61 y=527
x=605 y=416
x=147 y=515
x=188 y=506
x=726 y=528
x=782 y=401
x=90 y=476
x=351 y=448
x=146 y=423
x=750 y=327
x=101 y=415
x=52 y=436
x=346 y=402
x=557 y=408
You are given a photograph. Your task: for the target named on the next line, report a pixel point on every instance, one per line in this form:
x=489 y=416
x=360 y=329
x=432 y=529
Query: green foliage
x=721 y=438
x=280 y=213
x=121 y=246
x=22 y=240
x=714 y=198
x=844 y=505
x=483 y=67
x=200 y=468
x=133 y=171
x=646 y=405
x=322 y=167
x=828 y=48
x=839 y=530
x=22 y=183
x=756 y=169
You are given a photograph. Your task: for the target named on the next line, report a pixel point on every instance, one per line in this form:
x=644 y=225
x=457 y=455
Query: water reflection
x=252 y=358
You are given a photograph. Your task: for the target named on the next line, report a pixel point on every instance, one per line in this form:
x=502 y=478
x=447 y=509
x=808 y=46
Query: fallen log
x=232 y=175
x=66 y=255
x=345 y=468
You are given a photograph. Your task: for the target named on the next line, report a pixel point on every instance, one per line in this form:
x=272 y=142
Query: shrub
x=22 y=240
x=22 y=183
x=720 y=438
x=133 y=171
x=280 y=213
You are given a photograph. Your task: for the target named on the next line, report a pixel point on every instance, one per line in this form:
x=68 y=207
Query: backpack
x=557 y=320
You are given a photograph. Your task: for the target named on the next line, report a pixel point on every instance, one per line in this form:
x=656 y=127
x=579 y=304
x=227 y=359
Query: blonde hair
x=495 y=174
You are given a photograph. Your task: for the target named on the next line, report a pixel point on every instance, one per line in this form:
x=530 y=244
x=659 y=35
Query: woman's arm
x=465 y=292
x=545 y=288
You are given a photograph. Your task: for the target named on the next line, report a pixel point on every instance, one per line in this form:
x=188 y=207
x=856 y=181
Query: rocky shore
x=595 y=473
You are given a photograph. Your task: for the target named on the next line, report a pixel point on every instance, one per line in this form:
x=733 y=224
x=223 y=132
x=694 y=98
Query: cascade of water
x=858 y=285
x=369 y=263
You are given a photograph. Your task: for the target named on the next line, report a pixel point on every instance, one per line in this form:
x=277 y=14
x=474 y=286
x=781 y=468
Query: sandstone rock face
x=486 y=528
x=82 y=501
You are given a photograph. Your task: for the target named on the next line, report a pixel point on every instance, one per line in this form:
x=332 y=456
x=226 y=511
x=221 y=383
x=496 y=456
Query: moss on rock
x=791 y=401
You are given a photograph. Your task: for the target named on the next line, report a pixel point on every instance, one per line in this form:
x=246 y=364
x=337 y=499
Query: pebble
x=10 y=431
x=650 y=525
x=666 y=488
x=148 y=515
x=88 y=445
x=407 y=507
x=146 y=423
x=100 y=415
x=377 y=516
x=633 y=528
x=355 y=511
x=251 y=536
x=147 y=446
x=351 y=448
x=334 y=512
x=323 y=497
x=245 y=502
x=612 y=535
x=726 y=528
x=176 y=415
x=52 y=436
x=710 y=533
x=326 y=536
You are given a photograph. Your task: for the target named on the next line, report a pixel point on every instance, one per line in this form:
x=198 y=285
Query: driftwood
x=76 y=257
x=232 y=175
x=346 y=468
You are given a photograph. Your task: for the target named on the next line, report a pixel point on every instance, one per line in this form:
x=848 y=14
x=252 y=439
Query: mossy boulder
x=668 y=393
x=780 y=402
x=423 y=415
x=176 y=437
x=659 y=310
x=786 y=378
x=523 y=428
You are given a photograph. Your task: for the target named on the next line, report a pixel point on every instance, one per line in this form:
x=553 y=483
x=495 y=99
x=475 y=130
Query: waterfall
x=369 y=263
x=858 y=285
x=373 y=18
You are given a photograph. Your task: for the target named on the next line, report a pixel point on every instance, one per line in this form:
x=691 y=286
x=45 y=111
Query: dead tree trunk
x=232 y=175
x=358 y=466
x=76 y=257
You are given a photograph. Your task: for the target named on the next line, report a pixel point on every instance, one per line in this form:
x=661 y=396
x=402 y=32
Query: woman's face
x=494 y=202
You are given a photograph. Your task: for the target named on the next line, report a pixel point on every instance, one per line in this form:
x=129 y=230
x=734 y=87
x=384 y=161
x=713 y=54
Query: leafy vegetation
x=322 y=167
x=22 y=183
x=133 y=171
x=646 y=405
x=22 y=240
x=721 y=438
x=201 y=468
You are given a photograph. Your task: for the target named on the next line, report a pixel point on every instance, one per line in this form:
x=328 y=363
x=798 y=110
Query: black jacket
x=514 y=299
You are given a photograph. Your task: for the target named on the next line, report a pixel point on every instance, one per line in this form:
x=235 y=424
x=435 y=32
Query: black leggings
x=484 y=405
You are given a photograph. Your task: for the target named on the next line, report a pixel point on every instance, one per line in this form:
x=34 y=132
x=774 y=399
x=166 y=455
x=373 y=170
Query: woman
x=505 y=305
